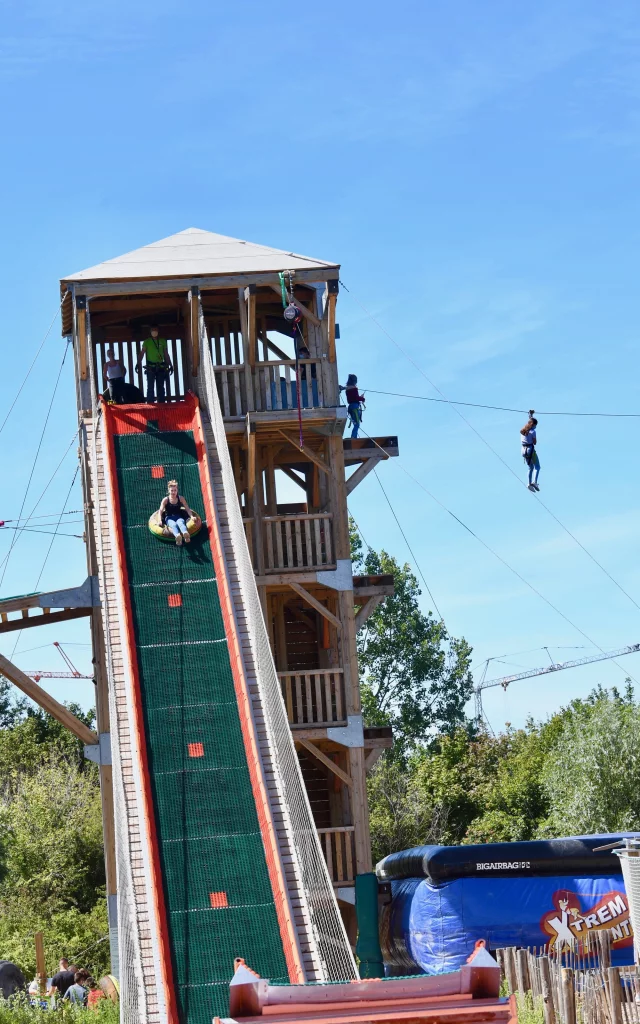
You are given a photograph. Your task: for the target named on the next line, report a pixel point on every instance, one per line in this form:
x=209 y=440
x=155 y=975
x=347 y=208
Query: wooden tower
x=312 y=603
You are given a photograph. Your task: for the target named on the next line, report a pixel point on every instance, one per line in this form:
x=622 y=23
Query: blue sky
x=473 y=168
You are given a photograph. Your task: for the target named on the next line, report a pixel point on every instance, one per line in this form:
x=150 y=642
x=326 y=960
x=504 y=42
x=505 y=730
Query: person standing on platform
x=158 y=366
x=354 y=402
x=114 y=372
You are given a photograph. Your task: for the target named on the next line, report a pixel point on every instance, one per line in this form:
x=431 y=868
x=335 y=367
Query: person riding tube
x=355 y=402
x=174 y=513
x=158 y=367
x=529 y=453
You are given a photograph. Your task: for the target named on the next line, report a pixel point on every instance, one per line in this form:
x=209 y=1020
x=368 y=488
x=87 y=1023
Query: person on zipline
x=354 y=402
x=529 y=453
x=158 y=366
x=174 y=513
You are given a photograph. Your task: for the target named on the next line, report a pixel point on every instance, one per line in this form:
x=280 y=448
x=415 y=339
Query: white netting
x=330 y=939
x=630 y=861
x=133 y=991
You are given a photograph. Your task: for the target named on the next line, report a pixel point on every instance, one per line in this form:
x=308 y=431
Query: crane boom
x=556 y=667
x=45 y=674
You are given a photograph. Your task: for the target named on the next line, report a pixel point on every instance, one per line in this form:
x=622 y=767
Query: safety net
x=218 y=897
x=334 y=957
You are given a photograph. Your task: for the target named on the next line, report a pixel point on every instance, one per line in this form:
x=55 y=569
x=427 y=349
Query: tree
x=592 y=779
x=414 y=676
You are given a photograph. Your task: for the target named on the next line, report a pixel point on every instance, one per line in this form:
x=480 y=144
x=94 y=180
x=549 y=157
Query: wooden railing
x=314 y=698
x=338 y=848
x=272 y=387
x=275 y=385
x=298 y=542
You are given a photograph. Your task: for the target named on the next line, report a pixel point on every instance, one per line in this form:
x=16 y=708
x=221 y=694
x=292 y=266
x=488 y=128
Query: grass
x=530 y=1011
x=18 y=1011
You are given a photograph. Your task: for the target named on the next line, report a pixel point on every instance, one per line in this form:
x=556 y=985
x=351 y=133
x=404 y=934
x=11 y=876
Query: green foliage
x=51 y=856
x=66 y=933
x=18 y=1011
x=593 y=779
x=51 y=822
x=577 y=772
x=414 y=676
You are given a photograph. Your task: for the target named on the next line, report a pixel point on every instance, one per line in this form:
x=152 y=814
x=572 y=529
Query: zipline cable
x=27 y=519
x=404 y=536
x=501 y=408
x=46 y=557
x=33 y=363
x=393 y=512
x=498 y=456
x=503 y=560
x=35 y=459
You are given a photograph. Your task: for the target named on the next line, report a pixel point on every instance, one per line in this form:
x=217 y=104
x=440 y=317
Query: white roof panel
x=195 y=253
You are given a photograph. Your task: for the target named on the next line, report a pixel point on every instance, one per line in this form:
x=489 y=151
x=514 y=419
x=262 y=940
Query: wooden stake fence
x=574 y=985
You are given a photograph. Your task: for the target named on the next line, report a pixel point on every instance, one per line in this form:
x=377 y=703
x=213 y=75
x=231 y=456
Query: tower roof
x=196 y=253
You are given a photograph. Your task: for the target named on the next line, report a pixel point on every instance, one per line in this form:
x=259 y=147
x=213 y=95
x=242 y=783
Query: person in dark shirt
x=63 y=979
x=354 y=402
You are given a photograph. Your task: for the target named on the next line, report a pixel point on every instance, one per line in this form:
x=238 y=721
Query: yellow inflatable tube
x=162 y=533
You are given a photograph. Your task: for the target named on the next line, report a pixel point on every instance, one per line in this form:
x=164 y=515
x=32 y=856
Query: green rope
x=283 y=289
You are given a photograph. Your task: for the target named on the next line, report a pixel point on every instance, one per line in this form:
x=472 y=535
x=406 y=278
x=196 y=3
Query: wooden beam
x=293 y=476
x=326 y=761
x=43 y=620
x=372 y=757
x=251 y=459
x=320 y=463
x=330 y=313
x=311 y=600
x=194 y=303
x=300 y=616
x=250 y=300
x=274 y=348
x=135 y=286
x=363 y=470
x=16 y=604
x=307 y=314
x=368 y=607
x=81 y=324
x=46 y=702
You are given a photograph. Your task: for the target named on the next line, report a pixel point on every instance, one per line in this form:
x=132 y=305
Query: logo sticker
x=569 y=925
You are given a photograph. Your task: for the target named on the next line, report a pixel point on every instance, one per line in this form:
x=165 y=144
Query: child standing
x=354 y=402
x=114 y=372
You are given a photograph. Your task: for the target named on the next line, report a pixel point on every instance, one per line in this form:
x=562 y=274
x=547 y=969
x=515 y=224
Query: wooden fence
x=574 y=986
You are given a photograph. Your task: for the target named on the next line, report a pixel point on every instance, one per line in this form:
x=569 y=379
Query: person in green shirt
x=158 y=366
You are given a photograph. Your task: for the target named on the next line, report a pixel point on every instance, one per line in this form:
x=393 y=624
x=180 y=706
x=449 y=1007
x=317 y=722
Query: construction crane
x=37 y=674
x=505 y=681
x=73 y=672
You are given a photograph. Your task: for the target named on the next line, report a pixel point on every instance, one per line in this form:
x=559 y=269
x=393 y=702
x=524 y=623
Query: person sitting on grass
x=174 y=513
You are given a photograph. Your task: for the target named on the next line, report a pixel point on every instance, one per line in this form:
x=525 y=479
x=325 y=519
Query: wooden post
x=522 y=972
x=81 y=334
x=568 y=996
x=547 y=991
x=41 y=968
x=330 y=316
x=250 y=299
x=510 y=969
x=48 y=703
x=194 y=303
x=615 y=995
